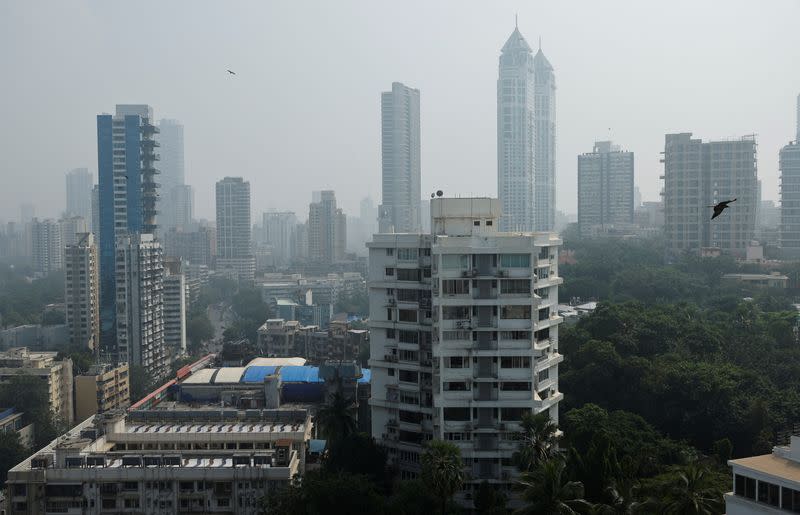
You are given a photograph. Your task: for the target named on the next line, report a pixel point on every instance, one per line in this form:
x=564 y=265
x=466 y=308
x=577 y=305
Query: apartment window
x=410 y=417
x=409 y=376
x=488 y=223
x=515 y=312
x=790 y=499
x=455 y=261
x=409 y=274
x=390 y=334
x=476 y=223
x=408 y=355
x=515 y=286
x=391 y=372
x=408 y=337
x=745 y=486
x=389 y=271
x=390 y=252
x=455 y=312
x=515 y=362
x=513 y=413
x=455 y=386
x=407 y=315
x=456 y=362
x=456 y=414
x=542 y=292
x=544 y=314
x=515 y=335
x=515 y=386
x=407 y=295
x=409 y=398
x=389 y=313
x=768 y=493
x=455 y=287
x=544 y=375
x=515 y=260
x=407 y=254
x=425 y=251
x=456 y=335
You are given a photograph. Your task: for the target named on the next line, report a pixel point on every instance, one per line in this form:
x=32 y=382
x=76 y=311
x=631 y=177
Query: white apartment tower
x=605 y=187
x=400 y=161
x=464 y=337
x=279 y=230
x=515 y=134
x=140 y=303
x=790 y=196
x=544 y=181
x=82 y=292
x=175 y=308
x=46 y=245
x=234 y=245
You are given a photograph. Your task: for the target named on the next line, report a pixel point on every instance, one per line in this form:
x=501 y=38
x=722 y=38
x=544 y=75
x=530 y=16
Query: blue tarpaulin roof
x=292 y=374
x=256 y=374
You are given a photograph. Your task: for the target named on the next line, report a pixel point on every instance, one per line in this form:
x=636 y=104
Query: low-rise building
x=282 y=338
x=13 y=421
x=766 y=484
x=102 y=388
x=57 y=373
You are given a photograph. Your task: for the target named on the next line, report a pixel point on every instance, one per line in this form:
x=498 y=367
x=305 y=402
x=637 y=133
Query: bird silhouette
x=231 y=72
x=719 y=208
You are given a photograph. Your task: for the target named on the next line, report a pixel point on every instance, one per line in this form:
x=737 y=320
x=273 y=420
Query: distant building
x=790 y=201
x=544 y=119
x=766 y=484
x=11 y=421
x=82 y=293
x=198 y=247
x=140 y=305
x=96 y=212
x=234 y=238
x=279 y=230
x=650 y=214
x=79 y=190
x=175 y=203
x=46 y=246
x=281 y=338
x=605 y=188
x=698 y=175
x=102 y=388
x=400 y=162
x=773 y=280
x=71 y=228
x=175 y=302
x=35 y=337
x=327 y=226
x=179 y=210
x=57 y=374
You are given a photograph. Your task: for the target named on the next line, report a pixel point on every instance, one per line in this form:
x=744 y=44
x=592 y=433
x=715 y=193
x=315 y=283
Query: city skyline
x=639 y=109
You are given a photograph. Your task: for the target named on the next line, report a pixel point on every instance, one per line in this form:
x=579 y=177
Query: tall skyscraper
x=96 y=213
x=400 y=148
x=140 y=304
x=544 y=116
x=72 y=228
x=278 y=232
x=516 y=105
x=175 y=201
x=464 y=338
x=79 y=190
x=126 y=157
x=789 y=159
x=175 y=300
x=47 y=248
x=697 y=175
x=605 y=187
x=234 y=245
x=326 y=229
x=82 y=295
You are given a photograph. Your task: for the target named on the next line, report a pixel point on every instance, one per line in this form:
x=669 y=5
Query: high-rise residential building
x=173 y=205
x=516 y=106
x=544 y=117
x=327 y=233
x=175 y=300
x=400 y=162
x=96 y=212
x=605 y=187
x=82 y=293
x=140 y=304
x=278 y=232
x=127 y=194
x=46 y=246
x=300 y=241
x=55 y=373
x=463 y=337
x=199 y=247
x=181 y=207
x=71 y=228
x=698 y=175
x=79 y=190
x=27 y=212
x=234 y=245
x=102 y=388
x=789 y=159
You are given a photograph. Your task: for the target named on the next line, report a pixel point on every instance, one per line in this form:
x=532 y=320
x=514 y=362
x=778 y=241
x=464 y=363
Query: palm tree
x=621 y=502
x=547 y=491
x=538 y=441
x=693 y=493
x=337 y=420
x=442 y=470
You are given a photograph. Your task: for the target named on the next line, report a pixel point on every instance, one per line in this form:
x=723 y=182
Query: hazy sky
x=303 y=112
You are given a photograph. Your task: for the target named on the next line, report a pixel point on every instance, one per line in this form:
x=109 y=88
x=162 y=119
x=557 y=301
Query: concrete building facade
x=45 y=365
x=279 y=231
x=102 y=388
x=82 y=293
x=46 y=246
x=789 y=163
x=605 y=187
x=327 y=226
x=463 y=338
x=79 y=189
x=544 y=119
x=175 y=302
x=234 y=235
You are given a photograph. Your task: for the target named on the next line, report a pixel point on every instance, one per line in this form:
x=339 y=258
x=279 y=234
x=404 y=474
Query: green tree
x=442 y=471
x=358 y=454
x=320 y=492
x=337 y=419
x=692 y=491
x=547 y=491
x=28 y=395
x=538 y=440
x=412 y=497
x=489 y=501
x=141 y=382
x=198 y=331
x=12 y=452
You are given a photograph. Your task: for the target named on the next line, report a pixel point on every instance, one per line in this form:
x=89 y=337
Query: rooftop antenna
x=540 y=42
x=516 y=18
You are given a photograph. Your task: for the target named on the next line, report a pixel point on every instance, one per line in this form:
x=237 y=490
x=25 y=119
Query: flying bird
x=231 y=72
x=719 y=208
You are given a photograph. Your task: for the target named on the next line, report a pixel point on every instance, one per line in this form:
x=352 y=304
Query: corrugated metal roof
x=201 y=376
x=229 y=375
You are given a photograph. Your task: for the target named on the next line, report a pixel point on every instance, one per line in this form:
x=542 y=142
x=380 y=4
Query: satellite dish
x=439 y=193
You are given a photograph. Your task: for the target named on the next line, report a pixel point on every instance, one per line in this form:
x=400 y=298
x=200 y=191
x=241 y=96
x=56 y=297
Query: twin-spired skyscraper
x=526 y=137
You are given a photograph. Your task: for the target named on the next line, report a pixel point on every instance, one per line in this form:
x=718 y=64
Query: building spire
x=516 y=19
x=540 y=43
